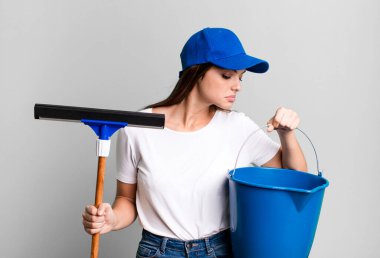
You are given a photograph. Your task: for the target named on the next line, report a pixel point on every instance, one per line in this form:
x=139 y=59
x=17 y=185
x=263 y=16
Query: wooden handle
x=98 y=201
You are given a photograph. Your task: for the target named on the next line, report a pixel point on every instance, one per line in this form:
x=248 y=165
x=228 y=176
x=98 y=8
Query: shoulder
x=146 y=110
x=130 y=131
x=233 y=116
x=237 y=121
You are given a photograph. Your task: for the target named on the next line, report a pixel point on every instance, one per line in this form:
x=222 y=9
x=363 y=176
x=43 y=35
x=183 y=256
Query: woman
x=175 y=179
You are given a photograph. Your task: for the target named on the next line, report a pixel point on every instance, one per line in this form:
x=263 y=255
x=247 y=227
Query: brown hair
x=185 y=84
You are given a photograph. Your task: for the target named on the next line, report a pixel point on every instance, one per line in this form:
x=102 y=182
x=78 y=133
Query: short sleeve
x=258 y=148
x=126 y=165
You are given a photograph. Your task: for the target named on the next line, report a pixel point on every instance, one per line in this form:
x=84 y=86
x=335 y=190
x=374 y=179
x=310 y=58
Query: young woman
x=175 y=179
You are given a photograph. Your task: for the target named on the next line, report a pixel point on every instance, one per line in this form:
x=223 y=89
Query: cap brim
x=241 y=62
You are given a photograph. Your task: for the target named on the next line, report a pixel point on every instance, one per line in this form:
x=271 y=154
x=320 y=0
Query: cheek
x=216 y=85
x=212 y=90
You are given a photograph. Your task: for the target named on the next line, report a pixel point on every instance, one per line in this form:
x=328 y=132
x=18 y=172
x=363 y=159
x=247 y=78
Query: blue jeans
x=215 y=246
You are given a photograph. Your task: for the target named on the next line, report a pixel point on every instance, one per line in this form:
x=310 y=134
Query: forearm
x=292 y=156
x=125 y=212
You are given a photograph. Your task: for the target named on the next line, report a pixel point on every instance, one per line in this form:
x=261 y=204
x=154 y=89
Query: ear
x=200 y=79
x=203 y=75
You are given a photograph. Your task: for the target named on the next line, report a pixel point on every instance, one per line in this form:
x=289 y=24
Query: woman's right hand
x=98 y=220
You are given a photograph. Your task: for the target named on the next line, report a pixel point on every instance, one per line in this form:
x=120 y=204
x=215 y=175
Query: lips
x=231 y=98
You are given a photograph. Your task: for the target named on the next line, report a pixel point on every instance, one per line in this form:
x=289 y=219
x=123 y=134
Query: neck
x=187 y=116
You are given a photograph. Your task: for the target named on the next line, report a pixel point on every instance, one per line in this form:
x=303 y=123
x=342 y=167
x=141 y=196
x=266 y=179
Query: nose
x=237 y=85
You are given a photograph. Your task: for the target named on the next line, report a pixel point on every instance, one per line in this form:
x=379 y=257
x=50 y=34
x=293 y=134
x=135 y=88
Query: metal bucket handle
x=261 y=128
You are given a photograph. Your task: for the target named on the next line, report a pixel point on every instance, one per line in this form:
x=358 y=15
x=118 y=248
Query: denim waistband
x=191 y=245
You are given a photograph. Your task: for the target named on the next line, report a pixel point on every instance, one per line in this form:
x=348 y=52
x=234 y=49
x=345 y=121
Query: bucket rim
x=232 y=177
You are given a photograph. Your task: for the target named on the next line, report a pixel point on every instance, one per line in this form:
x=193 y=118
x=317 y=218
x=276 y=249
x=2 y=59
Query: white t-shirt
x=182 y=184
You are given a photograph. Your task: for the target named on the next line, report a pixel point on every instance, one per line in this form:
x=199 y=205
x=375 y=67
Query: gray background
x=114 y=54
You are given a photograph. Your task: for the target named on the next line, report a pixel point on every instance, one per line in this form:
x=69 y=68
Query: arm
x=290 y=154
x=124 y=205
x=120 y=215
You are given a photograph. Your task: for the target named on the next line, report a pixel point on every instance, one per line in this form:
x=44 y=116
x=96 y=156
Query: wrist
x=285 y=133
x=114 y=222
x=288 y=140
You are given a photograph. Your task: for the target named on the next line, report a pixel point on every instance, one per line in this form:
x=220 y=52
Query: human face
x=219 y=87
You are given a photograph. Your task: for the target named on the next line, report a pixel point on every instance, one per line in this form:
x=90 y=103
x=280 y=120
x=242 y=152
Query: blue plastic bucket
x=274 y=212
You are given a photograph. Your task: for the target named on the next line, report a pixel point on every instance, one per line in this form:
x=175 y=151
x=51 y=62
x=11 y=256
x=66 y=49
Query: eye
x=241 y=79
x=226 y=76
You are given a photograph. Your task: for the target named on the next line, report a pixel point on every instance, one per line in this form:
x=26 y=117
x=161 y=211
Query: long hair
x=185 y=84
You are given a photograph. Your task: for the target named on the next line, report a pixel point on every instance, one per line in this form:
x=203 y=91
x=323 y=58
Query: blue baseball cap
x=222 y=48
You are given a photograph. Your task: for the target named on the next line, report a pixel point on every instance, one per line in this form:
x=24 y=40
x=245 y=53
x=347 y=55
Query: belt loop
x=208 y=246
x=163 y=245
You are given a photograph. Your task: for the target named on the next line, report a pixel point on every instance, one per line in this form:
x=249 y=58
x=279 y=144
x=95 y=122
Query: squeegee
x=104 y=123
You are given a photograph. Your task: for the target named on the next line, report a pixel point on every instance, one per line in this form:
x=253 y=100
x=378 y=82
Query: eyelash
x=229 y=77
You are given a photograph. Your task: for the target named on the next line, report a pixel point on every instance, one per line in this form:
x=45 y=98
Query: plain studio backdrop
x=324 y=63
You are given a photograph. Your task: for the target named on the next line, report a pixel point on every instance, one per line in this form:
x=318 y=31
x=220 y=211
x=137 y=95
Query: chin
x=224 y=107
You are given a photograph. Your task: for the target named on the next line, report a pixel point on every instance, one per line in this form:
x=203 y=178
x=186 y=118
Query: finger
x=103 y=209
x=92 y=218
x=288 y=119
x=295 y=124
x=93 y=225
x=270 y=126
x=292 y=121
x=92 y=231
x=292 y=124
x=278 y=117
x=91 y=209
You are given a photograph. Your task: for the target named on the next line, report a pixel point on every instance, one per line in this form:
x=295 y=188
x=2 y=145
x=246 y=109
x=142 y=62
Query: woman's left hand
x=285 y=120
x=290 y=155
